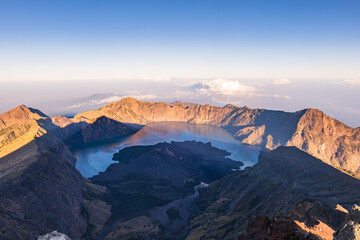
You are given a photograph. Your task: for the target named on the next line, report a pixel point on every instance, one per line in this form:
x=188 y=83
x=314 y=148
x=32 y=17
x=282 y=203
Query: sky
x=60 y=54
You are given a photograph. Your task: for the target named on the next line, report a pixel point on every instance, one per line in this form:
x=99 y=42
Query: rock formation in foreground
x=280 y=184
x=54 y=235
x=350 y=229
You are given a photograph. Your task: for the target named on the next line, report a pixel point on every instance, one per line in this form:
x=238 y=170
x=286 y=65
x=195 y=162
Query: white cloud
x=224 y=87
x=352 y=81
x=282 y=81
x=281 y=96
x=181 y=94
x=161 y=79
x=110 y=99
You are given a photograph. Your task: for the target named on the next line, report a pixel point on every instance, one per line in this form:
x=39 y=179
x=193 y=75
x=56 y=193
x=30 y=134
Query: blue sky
x=68 y=56
x=70 y=40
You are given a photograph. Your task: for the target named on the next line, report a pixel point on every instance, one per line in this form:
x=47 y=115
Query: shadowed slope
x=281 y=180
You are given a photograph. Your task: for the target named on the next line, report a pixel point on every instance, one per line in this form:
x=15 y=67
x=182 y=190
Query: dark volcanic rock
x=263 y=228
x=148 y=176
x=46 y=195
x=351 y=227
x=82 y=133
x=281 y=180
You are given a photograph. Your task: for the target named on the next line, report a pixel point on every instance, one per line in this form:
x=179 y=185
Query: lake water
x=96 y=158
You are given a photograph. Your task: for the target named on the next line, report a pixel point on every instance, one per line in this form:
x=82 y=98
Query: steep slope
x=102 y=128
x=310 y=129
x=328 y=139
x=42 y=192
x=281 y=180
x=22 y=125
x=18 y=127
x=19 y=114
x=251 y=126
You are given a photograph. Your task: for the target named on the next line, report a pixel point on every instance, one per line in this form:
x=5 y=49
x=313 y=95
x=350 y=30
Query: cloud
x=181 y=94
x=282 y=81
x=161 y=79
x=281 y=96
x=352 y=81
x=224 y=87
x=101 y=99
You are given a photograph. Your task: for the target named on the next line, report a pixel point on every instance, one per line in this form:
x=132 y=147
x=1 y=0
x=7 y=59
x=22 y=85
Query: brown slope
x=20 y=126
x=19 y=114
x=328 y=139
x=251 y=126
x=310 y=130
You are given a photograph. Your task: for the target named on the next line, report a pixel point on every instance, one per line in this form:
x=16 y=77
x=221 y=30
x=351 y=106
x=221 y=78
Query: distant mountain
x=310 y=130
x=285 y=182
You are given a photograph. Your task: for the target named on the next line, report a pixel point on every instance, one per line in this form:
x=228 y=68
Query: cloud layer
x=101 y=99
x=224 y=87
x=282 y=81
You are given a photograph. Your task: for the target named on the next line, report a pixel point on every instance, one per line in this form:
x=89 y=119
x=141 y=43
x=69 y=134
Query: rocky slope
x=18 y=127
x=280 y=181
x=350 y=229
x=263 y=228
x=40 y=188
x=102 y=128
x=310 y=130
x=22 y=125
x=41 y=193
x=163 y=175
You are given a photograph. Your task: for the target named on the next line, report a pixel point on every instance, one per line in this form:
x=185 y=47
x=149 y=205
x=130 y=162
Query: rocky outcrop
x=280 y=181
x=264 y=228
x=308 y=220
x=351 y=227
x=54 y=235
x=329 y=140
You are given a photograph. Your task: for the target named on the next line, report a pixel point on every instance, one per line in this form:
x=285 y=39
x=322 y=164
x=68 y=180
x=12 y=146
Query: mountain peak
x=19 y=114
x=129 y=100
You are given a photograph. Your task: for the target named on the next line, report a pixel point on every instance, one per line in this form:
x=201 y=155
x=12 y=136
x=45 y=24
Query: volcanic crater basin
x=93 y=159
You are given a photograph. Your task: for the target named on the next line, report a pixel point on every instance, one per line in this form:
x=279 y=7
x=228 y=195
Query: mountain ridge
x=309 y=129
